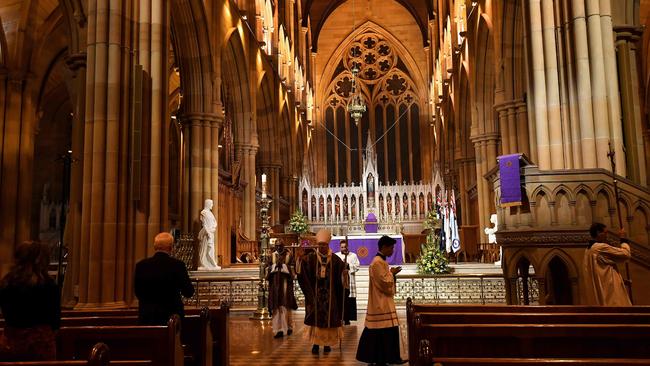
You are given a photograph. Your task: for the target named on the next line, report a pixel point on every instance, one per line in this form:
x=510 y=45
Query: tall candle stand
x=262 y=312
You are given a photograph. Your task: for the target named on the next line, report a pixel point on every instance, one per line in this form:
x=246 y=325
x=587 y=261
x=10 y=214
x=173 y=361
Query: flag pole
x=610 y=155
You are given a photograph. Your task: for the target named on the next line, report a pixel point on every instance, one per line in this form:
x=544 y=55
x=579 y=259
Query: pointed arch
x=234 y=70
x=343 y=47
x=570 y=263
x=267 y=126
x=484 y=76
x=561 y=188
x=193 y=54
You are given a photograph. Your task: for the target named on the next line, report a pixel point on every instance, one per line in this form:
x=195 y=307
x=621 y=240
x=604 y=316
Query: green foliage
x=298 y=223
x=432 y=260
x=432 y=222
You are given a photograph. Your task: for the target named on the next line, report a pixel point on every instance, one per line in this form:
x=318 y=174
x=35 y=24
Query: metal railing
x=215 y=290
x=241 y=292
x=451 y=289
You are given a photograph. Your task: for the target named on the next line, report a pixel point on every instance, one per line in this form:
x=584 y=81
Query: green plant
x=432 y=260
x=298 y=223
x=431 y=222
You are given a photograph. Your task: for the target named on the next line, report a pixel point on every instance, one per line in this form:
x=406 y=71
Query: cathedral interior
x=119 y=118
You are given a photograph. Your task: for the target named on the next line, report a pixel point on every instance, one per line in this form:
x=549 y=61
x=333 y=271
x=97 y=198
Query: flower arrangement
x=432 y=260
x=298 y=223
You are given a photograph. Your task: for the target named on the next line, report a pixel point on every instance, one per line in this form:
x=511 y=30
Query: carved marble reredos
x=360 y=193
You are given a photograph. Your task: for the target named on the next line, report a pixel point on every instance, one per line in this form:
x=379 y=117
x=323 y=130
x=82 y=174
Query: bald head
x=163 y=242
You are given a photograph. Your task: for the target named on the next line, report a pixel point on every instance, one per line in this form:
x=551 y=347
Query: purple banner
x=510 y=180
x=365 y=247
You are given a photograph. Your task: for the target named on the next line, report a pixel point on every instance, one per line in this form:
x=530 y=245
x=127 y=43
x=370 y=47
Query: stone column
x=583 y=81
x=120 y=215
x=522 y=128
x=626 y=43
x=568 y=81
x=486 y=152
x=598 y=84
x=77 y=65
x=294 y=195
x=201 y=166
x=16 y=146
x=273 y=187
x=613 y=101
x=539 y=81
x=247 y=153
x=554 y=127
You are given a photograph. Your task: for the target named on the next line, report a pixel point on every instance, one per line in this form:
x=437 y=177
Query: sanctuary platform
x=468 y=283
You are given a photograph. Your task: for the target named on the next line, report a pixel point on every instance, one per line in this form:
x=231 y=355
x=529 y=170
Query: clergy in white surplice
x=352 y=265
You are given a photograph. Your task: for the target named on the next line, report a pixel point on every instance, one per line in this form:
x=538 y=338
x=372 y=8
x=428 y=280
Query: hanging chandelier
x=356 y=105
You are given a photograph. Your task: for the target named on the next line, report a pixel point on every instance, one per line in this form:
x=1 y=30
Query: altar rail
x=241 y=292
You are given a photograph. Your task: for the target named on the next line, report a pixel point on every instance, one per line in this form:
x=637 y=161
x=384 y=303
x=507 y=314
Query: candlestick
x=263 y=185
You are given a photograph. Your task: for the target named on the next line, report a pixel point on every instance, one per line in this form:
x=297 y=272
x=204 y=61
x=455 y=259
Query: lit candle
x=263 y=185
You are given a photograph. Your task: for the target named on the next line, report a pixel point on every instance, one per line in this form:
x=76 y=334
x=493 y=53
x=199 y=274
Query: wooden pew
x=217 y=355
x=532 y=341
x=441 y=327
x=533 y=318
x=160 y=344
x=191 y=325
x=468 y=308
x=536 y=361
x=196 y=333
x=99 y=356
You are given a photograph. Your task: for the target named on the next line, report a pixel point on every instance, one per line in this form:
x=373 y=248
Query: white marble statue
x=207 y=259
x=492 y=238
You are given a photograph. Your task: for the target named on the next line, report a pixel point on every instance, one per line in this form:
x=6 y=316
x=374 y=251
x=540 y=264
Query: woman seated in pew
x=31 y=305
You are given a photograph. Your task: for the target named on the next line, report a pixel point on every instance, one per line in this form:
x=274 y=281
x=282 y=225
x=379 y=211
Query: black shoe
x=314 y=349
x=347 y=322
x=327 y=349
x=278 y=334
x=289 y=331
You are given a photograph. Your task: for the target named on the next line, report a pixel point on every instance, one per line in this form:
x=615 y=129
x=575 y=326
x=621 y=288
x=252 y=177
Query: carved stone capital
x=75 y=62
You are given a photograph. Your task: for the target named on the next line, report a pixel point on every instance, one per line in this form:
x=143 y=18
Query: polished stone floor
x=252 y=343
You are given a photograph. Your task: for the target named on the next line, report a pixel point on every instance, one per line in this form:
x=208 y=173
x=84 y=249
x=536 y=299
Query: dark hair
x=596 y=228
x=31 y=260
x=385 y=241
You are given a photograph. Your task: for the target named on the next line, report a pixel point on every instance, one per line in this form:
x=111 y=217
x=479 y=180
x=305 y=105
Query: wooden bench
x=460 y=324
x=99 y=356
x=536 y=361
x=532 y=341
x=533 y=318
x=160 y=344
x=193 y=336
x=468 y=308
x=194 y=333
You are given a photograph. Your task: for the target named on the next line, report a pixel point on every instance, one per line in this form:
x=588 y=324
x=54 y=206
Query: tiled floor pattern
x=252 y=343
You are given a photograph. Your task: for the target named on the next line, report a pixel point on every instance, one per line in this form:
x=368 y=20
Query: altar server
x=352 y=265
x=379 y=343
x=281 y=298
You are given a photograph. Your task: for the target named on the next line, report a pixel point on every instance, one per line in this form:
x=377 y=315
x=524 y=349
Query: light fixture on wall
x=356 y=104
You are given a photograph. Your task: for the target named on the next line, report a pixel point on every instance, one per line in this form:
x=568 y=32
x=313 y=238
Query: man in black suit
x=159 y=283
